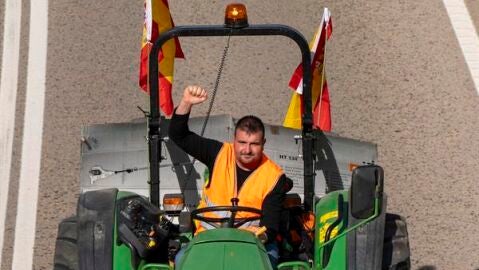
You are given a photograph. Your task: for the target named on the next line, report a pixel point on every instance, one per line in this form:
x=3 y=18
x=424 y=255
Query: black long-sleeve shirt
x=206 y=150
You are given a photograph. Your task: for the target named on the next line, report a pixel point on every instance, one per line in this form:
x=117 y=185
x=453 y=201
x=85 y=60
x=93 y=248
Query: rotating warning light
x=235 y=16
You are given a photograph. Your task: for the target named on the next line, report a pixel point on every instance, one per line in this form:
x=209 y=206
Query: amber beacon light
x=235 y=16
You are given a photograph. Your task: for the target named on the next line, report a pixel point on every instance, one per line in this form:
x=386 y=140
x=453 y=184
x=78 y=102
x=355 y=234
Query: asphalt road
x=397 y=78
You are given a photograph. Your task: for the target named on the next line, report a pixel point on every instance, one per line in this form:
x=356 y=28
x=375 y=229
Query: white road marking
x=32 y=137
x=466 y=35
x=8 y=99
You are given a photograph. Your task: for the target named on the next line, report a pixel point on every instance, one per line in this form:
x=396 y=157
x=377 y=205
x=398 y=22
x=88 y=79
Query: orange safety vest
x=223 y=187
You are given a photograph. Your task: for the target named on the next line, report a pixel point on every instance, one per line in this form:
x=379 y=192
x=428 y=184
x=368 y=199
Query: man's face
x=248 y=149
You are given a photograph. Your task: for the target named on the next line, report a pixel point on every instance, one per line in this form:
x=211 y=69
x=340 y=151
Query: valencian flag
x=158 y=20
x=320 y=92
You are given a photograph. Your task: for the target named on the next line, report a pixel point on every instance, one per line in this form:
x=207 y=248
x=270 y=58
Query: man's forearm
x=183 y=108
x=203 y=149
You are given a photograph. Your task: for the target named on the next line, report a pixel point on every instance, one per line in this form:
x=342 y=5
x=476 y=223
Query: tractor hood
x=224 y=249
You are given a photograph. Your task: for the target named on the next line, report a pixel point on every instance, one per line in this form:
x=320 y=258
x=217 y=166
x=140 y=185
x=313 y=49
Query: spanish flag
x=320 y=92
x=158 y=20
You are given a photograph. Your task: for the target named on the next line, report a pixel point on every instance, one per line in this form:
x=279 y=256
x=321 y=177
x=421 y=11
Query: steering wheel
x=226 y=222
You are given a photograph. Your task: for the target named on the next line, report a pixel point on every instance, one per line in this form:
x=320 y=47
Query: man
x=239 y=170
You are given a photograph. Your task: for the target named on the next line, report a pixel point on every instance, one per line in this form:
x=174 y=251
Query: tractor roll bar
x=154 y=140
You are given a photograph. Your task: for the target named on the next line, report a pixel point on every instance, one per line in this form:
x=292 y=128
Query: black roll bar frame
x=154 y=140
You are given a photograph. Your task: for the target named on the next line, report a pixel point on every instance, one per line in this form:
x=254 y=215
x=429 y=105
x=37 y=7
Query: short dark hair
x=250 y=124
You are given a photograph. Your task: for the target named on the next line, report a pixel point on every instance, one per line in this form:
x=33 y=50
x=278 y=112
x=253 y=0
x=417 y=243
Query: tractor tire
x=66 y=247
x=396 y=253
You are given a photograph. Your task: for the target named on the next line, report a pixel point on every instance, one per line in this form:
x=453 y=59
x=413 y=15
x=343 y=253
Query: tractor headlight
x=173 y=202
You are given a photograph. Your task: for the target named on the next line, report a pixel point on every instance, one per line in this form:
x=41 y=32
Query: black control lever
x=231 y=221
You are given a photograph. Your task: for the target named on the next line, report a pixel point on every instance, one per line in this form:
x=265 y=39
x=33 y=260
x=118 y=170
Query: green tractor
x=119 y=228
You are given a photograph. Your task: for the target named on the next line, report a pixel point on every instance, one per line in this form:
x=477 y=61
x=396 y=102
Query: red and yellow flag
x=320 y=92
x=158 y=20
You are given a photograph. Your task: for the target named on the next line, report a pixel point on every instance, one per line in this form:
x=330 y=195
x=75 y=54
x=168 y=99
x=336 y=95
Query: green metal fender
x=331 y=221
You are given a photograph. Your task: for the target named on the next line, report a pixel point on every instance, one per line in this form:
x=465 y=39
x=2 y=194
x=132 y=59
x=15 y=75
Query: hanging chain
x=217 y=82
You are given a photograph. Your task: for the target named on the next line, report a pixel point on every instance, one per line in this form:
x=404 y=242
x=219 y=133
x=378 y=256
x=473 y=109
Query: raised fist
x=194 y=95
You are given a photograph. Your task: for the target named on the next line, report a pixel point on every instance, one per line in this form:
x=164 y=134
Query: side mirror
x=366 y=190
